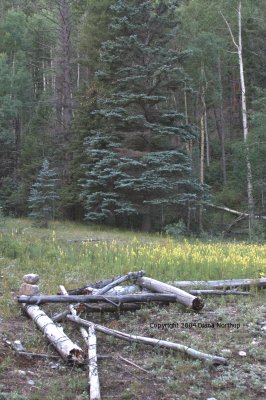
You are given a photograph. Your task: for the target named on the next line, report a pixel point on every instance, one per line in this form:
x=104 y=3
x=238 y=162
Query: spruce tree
x=138 y=169
x=43 y=196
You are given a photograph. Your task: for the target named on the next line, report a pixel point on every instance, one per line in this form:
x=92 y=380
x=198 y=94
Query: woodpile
x=110 y=296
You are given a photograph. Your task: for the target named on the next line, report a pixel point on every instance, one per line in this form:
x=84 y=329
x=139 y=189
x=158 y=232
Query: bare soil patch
x=171 y=376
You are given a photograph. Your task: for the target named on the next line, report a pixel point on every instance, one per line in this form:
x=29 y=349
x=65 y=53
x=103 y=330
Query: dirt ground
x=168 y=376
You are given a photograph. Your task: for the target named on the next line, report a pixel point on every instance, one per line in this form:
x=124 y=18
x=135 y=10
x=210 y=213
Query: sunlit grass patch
x=58 y=260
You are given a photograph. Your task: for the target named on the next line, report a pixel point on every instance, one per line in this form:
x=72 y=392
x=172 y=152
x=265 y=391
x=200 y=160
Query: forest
x=141 y=114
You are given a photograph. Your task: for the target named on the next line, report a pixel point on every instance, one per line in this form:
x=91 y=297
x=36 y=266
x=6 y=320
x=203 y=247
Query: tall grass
x=49 y=253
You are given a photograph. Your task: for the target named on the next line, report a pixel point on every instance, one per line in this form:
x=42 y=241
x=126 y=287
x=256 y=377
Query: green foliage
x=137 y=157
x=43 y=196
x=176 y=230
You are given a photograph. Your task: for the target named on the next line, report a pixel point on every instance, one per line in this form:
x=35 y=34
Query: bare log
x=68 y=350
x=150 y=341
x=227 y=283
x=217 y=292
x=116 y=300
x=60 y=316
x=105 y=307
x=98 y=308
x=97 y=285
x=130 y=276
x=121 y=290
x=187 y=299
x=90 y=340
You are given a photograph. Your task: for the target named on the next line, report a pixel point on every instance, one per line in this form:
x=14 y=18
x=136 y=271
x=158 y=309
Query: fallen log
x=121 y=290
x=115 y=300
x=68 y=350
x=217 y=292
x=187 y=299
x=245 y=283
x=90 y=340
x=93 y=366
x=105 y=307
x=96 y=285
x=150 y=341
x=130 y=276
x=98 y=308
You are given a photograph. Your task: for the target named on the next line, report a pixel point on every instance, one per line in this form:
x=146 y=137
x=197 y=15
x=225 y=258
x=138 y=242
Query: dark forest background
x=132 y=113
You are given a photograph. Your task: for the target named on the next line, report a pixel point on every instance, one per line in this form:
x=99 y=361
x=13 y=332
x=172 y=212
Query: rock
x=211 y=398
x=32 y=279
x=226 y=352
x=18 y=345
x=242 y=353
x=28 y=290
x=55 y=366
x=19 y=372
x=30 y=382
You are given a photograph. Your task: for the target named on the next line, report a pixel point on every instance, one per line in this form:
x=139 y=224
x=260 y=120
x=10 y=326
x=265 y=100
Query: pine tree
x=139 y=170
x=43 y=196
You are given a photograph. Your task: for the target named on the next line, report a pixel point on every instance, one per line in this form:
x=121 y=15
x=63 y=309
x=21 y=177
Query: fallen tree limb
x=121 y=290
x=96 y=285
x=21 y=351
x=235 y=212
x=130 y=276
x=90 y=340
x=217 y=292
x=187 y=299
x=68 y=350
x=93 y=366
x=223 y=283
x=133 y=364
x=150 y=341
x=60 y=316
x=116 y=300
x=105 y=307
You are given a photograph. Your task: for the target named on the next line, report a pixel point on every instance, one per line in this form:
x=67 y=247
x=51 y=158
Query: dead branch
x=130 y=276
x=150 y=341
x=133 y=364
x=230 y=210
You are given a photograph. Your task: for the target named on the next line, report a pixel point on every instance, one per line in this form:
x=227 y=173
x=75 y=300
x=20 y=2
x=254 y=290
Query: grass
x=53 y=255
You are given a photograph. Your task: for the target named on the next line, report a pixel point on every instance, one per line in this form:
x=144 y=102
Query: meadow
x=76 y=254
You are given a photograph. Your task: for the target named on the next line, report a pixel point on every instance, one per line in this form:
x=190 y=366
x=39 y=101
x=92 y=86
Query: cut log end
x=197 y=304
x=75 y=357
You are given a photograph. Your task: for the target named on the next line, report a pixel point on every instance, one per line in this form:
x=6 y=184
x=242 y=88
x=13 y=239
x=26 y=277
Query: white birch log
x=187 y=299
x=222 y=283
x=90 y=340
x=68 y=350
x=151 y=341
x=129 y=276
x=217 y=292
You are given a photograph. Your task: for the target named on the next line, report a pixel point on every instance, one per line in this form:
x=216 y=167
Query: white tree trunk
x=244 y=117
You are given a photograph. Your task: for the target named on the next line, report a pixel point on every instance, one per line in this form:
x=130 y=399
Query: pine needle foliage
x=43 y=196
x=137 y=159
